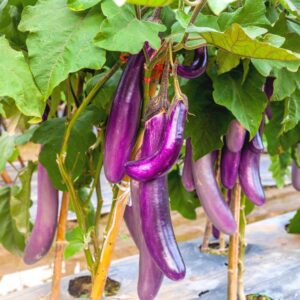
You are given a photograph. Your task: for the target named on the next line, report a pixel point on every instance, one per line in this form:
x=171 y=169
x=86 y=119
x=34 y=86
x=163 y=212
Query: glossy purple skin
x=229 y=167
x=45 y=223
x=124 y=119
x=215 y=232
x=197 y=68
x=269 y=87
x=235 y=136
x=256 y=144
x=295 y=176
x=150 y=276
x=211 y=197
x=187 y=172
x=162 y=160
x=249 y=176
x=155 y=211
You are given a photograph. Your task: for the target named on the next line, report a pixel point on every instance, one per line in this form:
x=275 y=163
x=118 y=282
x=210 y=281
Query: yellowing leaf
x=236 y=41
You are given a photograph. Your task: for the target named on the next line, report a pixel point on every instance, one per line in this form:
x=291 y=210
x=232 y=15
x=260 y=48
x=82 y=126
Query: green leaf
x=294 y=226
x=79 y=5
x=20 y=200
x=293 y=6
x=285 y=84
x=217 y=6
x=252 y=13
x=50 y=134
x=16 y=81
x=148 y=2
x=226 y=61
x=236 y=41
x=207 y=122
x=245 y=100
x=122 y=31
x=60 y=42
x=25 y=137
x=279 y=167
x=181 y=200
x=291 y=112
x=10 y=237
x=75 y=238
x=7 y=148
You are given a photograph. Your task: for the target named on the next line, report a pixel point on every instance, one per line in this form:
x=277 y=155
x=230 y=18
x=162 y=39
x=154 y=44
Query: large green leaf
x=244 y=99
x=20 y=200
x=207 y=122
x=181 y=200
x=79 y=5
x=16 y=81
x=10 y=237
x=7 y=148
x=252 y=13
x=122 y=31
x=60 y=41
x=226 y=61
x=236 y=41
x=50 y=134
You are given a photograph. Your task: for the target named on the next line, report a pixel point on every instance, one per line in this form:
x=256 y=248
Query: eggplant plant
x=148 y=92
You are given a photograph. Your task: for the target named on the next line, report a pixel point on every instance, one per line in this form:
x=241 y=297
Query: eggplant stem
x=233 y=252
x=242 y=249
x=194 y=16
x=59 y=247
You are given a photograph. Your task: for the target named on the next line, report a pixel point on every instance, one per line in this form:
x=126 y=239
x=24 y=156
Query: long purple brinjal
x=296 y=172
x=187 y=172
x=235 y=136
x=44 y=228
x=211 y=197
x=249 y=172
x=198 y=66
x=163 y=159
x=124 y=119
x=229 y=167
x=150 y=276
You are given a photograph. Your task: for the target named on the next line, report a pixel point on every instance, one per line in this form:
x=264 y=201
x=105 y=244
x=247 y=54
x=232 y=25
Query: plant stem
x=233 y=251
x=113 y=227
x=194 y=16
x=59 y=247
x=242 y=250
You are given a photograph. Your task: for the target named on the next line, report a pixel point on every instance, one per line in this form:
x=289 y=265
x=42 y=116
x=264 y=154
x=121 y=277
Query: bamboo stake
x=234 y=247
x=109 y=244
x=242 y=250
x=59 y=248
x=207 y=233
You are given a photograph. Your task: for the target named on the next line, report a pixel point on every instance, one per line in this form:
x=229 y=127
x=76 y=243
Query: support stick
x=206 y=237
x=234 y=247
x=59 y=248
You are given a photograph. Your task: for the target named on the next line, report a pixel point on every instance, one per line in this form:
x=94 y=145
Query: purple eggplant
x=295 y=176
x=256 y=143
x=43 y=231
x=249 y=175
x=229 y=167
x=150 y=276
x=235 y=136
x=124 y=119
x=187 y=172
x=211 y=197
x=197 y=68
x=160 y=162
x=269 y=89
x=215 y=232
